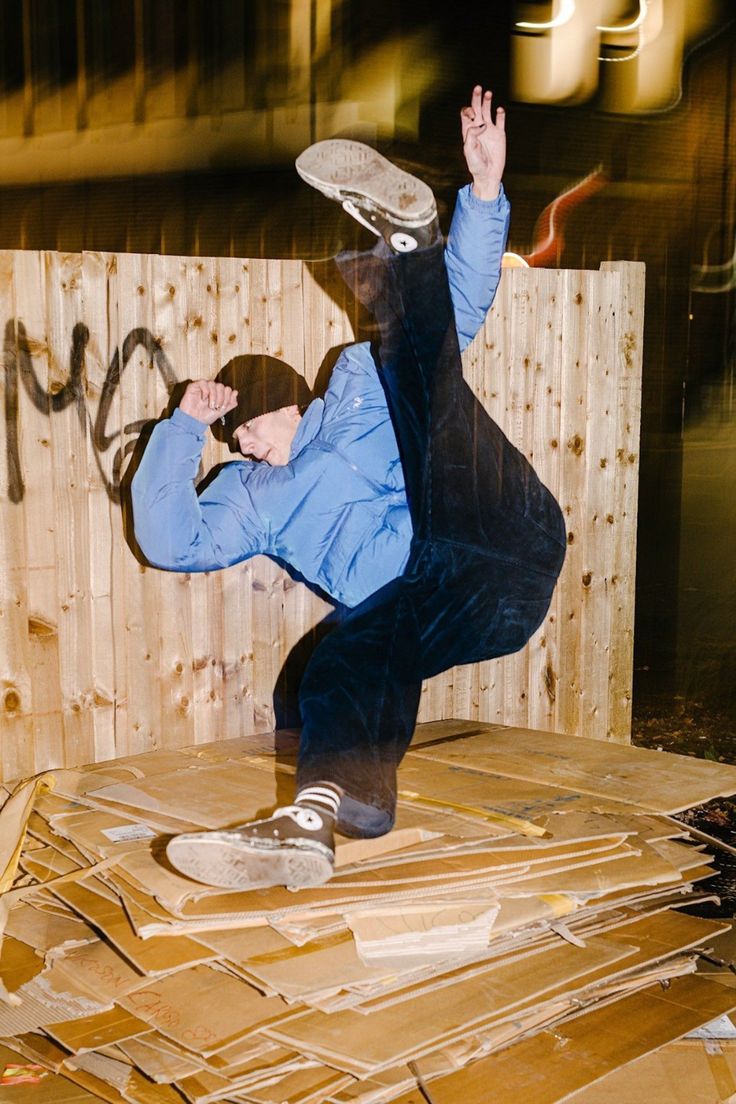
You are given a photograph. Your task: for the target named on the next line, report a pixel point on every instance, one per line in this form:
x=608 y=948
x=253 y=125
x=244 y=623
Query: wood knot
x=587 y=578
x=550 y=683
x=11 y=701
x=576 y=445
x=39 y=627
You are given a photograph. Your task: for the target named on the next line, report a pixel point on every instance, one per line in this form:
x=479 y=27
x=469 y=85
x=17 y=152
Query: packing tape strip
x=287 y=953
x=721 y=1072
x=525 y=827
x=559 y=903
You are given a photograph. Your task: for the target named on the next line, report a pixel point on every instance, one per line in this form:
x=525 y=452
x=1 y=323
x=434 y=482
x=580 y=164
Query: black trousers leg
x=487 y=549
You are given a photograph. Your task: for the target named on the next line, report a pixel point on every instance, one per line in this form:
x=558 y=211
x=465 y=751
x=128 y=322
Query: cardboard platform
x=521 y=926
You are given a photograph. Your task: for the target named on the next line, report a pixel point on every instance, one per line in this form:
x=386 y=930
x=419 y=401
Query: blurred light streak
x=565 y=14
x=643 y=6
x=648 y=27
x=714 y=279
x=558 y=64
x=514 y=260
x=562 y=62
x=549 y=238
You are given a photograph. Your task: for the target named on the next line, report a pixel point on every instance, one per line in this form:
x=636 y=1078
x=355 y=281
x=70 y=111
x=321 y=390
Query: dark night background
x=154 y=126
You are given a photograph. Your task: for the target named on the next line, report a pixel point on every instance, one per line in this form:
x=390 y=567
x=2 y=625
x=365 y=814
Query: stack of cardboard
x=519 y=928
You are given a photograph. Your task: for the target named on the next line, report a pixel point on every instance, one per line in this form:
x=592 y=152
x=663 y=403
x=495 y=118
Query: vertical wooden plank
x=626 y=352
x=38 y=510
x=545 y=659
x=519 y=428
x=497 y=397
x=600 y=293
x=137 y=621
x=293 y=329
x=114 y=438
x=104 y=514
x=267 y=578
x=17 y=724
x=236 y=645
x=199 y=347
x=69 y=450
x=173 y=656
x=573 y=343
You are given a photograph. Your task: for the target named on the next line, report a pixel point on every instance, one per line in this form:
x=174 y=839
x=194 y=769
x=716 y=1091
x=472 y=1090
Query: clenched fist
x=207 y=401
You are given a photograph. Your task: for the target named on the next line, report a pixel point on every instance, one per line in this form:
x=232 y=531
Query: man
x=397 y=494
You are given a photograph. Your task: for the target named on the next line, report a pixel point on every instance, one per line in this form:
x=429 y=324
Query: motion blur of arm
x=480 y=224
x=175 y=528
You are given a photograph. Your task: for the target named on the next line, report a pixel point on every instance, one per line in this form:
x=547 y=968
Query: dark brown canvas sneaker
x=391 y=203
x=294 y=847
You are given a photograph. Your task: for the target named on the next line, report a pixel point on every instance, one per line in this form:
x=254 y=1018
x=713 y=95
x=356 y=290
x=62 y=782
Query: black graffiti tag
x=18 y=365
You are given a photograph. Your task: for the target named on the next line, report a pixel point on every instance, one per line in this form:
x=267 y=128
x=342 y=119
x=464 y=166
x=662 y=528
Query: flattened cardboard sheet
x=683 y=1072
x=99 y=1030
x=363 y=1044
x=656 y=781
x=153 y=956
x=204 y=1010
x=19 y=963
x=213 y=795
x=551 y=1066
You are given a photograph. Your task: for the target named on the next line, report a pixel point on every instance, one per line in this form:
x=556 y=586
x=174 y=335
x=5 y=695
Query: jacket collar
x=308 y=427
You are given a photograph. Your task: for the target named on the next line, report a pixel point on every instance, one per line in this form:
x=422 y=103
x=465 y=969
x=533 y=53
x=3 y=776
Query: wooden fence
x=101 y=656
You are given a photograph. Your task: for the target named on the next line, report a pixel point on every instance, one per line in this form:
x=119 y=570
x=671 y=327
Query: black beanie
x=263 y=383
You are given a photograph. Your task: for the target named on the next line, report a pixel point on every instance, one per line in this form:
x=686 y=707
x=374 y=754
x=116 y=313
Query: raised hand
x=207 y=400
x=484 y=143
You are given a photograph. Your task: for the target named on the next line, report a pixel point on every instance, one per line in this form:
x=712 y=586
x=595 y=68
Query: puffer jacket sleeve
x=473 y=256
x=176 y=529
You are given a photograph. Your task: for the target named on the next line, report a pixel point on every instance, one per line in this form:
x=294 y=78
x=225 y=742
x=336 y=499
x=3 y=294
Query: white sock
x=322 y=796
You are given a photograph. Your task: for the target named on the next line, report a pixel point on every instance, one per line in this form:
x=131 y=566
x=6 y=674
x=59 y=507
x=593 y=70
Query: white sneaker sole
x=345 y=170
x=228 y=861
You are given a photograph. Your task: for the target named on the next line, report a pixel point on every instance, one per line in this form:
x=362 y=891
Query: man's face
x=269 y=436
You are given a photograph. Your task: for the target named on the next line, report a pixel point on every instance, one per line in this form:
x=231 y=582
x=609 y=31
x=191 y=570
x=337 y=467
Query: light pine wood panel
x=103 y=656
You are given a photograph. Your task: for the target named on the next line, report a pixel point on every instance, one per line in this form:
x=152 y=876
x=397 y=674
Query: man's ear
x=293 y=411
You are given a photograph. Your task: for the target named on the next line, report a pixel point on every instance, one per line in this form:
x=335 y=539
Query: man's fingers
x=478 y=115
x=213 y=396
x=473 y=131
x=467 y=118
x=217 y=395
x=230 y=401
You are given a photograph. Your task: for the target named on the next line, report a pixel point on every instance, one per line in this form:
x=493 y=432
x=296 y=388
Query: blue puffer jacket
x=337 y=512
